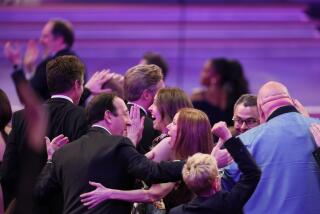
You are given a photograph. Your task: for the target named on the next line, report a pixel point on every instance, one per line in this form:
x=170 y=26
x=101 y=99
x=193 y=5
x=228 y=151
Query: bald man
x=282 y=146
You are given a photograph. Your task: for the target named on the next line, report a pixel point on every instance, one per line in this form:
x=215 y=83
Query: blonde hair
x=193 y=133
x=199 y=172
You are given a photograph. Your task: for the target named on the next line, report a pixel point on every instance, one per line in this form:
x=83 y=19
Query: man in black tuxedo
x=104 y=156
x=141 y=83
x=57 y=38
x=65 y=81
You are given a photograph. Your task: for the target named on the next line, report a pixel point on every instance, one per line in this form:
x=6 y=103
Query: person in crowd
x=245 y=117
x=224 y=83
x=201 y=176
x=167 y=102
x=65 y=80
x=5 y=117
x=141 y=83
x=315 y=130
x=245 y=113
x=109 y=158
x=36 y=120
x=190 y=132
x=282 y=147
x=154 y=58
x=57 y=38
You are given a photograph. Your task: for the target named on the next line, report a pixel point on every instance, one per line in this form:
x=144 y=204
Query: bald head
x=271 y=96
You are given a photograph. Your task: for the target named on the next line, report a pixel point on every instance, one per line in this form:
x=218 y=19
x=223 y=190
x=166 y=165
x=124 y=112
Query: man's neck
x=102 y=125
x=66 y=94
x=58 y=48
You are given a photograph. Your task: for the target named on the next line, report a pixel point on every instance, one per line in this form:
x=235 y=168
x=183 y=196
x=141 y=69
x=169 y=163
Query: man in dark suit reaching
x=104 y=156
x=65 y=81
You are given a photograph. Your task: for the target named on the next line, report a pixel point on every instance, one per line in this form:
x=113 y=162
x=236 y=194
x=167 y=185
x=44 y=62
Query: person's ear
x=262 y=115
x=216 y=185
x=59 y=39
x=146 y=94
x=108 y=116
x=77 y=84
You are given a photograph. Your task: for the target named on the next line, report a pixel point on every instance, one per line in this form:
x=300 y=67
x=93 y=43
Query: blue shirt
x=282 y=148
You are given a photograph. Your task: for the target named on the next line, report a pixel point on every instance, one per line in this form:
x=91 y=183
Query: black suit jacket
x=100 y=157
x=39 y=80
x=21 y=164
x=148 y=134
x=228 y=202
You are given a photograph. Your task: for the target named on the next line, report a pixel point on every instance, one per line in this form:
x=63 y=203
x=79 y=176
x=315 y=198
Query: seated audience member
x=141 y=83
x=190 y=132
x=245 y=113
x=156 y=59
x=65 y=81
x=109 y=159
x=282 y=147
x=315 y=130
x=201 y=175
x=224 y=83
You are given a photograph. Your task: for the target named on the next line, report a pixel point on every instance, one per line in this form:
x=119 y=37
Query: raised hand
x=55 y=144
x=12 y=52
x=96 y=82
x=134 y=131
x=221 y=130
x=31 y=55
x=95 y=197
x=221 y=155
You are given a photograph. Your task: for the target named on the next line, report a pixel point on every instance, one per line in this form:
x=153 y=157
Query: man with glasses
x=282 y=146
x=245 y=117
x=245 y=114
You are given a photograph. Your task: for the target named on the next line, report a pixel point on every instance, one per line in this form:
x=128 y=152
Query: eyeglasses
x=249 y=122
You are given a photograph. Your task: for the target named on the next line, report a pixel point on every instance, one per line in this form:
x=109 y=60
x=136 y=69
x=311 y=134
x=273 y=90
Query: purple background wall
x=273 y=42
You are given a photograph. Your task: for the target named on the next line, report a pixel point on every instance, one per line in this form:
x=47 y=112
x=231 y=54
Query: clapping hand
x=55 y=144
x=31 y=55
x=134 y=131
x=13 y=53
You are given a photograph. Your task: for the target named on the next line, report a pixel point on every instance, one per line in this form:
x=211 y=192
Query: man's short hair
x=199 y=172
x=62 y=72
x=248 y=100
x=99 y=104
x=64 y=29
x=156 y=59
x=139 y=78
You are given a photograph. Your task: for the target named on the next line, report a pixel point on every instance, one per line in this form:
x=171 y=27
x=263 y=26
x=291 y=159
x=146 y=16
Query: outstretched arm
x=102 y=193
